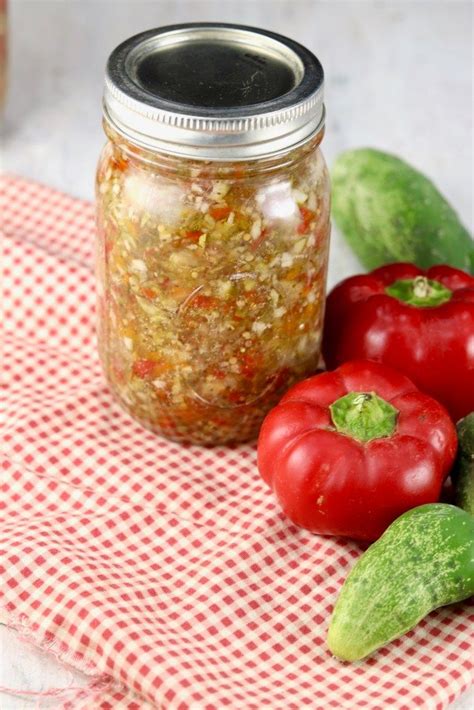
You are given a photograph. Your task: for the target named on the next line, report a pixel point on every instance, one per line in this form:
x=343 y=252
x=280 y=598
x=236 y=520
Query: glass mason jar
x=213 y=227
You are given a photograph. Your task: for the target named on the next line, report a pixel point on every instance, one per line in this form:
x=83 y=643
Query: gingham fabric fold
x=168 y=571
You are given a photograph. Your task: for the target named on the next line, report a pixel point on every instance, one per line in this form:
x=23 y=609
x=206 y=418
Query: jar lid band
x=214 y=91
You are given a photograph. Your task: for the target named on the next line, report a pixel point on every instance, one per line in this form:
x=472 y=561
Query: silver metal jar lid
x=214 y=91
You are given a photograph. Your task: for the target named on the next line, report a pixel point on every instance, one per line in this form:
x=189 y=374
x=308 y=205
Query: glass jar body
x=211 y=285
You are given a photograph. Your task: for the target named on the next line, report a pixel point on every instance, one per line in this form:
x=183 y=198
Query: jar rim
x=251 y=93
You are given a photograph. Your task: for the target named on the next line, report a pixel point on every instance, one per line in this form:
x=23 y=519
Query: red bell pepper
x=346 y=452
x=420 y=322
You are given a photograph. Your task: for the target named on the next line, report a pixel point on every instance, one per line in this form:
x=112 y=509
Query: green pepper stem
x=419 y=291
x=364 y=416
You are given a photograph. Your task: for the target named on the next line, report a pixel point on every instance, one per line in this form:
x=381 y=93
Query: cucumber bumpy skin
x=388 y=211
x=424 y=560
x=462 y=474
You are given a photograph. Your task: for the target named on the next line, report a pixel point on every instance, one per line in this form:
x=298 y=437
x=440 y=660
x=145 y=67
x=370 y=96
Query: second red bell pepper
x=421 y=323
x=347 y=452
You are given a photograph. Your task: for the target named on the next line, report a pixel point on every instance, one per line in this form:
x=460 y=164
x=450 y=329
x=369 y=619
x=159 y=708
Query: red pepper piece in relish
x=307 y=216
x=220 y=212
x=143 y=368
x=203 y=301
x=119 y=163
x=193 y=235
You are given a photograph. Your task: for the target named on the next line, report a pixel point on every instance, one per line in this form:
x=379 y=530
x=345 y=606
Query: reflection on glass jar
x=211 y=283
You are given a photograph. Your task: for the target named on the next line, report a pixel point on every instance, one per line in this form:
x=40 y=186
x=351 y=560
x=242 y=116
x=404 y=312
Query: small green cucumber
x=424 y=560
x=462 y=474
x=388 y=211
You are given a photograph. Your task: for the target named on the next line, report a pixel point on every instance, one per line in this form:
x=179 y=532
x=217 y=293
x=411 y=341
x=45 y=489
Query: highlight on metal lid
x=214 y=91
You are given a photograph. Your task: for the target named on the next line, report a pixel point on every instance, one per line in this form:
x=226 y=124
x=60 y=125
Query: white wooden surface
x=399 y=77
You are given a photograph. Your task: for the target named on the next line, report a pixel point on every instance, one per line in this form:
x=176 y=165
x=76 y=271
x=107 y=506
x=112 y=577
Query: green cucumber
x=424 y=560
x=388 y=211
x=462 y=474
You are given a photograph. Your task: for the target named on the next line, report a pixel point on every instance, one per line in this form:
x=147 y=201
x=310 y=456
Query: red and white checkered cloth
x=167 y=572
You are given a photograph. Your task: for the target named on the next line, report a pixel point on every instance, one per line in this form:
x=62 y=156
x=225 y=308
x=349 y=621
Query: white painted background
x=399 y=77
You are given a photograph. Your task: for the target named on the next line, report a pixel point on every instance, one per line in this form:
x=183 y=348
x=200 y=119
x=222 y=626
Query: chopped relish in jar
x=211 y=282
x=212 y=287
